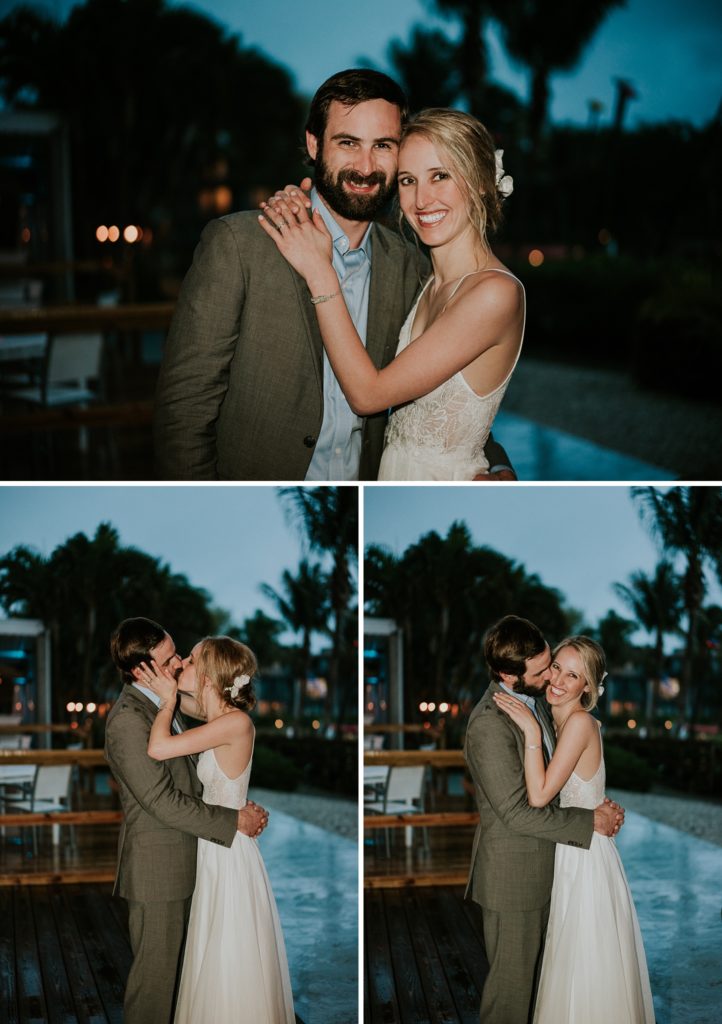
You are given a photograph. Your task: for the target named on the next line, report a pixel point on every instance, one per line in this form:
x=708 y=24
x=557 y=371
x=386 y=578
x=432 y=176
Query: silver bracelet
x=316 y=299
x=534 y=746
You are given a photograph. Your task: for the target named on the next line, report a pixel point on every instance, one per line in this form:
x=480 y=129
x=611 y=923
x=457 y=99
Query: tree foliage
x=444 y=593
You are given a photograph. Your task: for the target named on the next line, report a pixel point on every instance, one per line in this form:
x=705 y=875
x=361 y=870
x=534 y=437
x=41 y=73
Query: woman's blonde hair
x=595 y=666
x=470 y=151
x=223 y=660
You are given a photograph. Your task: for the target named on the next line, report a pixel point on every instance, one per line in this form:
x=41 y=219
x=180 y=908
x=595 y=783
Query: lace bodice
x=577 y=793
x=452 y=421
x=217 y=787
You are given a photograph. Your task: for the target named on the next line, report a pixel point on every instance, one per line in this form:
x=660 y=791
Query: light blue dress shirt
x=337 y=451
x=151 y=695
x=531 y=704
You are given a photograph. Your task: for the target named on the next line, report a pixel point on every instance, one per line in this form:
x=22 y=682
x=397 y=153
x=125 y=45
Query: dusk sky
x=227 y=540
x=578 y=539
x=668 y=49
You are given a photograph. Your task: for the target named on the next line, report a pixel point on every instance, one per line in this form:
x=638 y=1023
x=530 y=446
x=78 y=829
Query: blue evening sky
x=668 y=49
x=578 y=539
x=227 y=540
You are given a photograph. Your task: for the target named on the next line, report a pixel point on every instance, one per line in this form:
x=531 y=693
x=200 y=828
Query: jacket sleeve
x=151 y=783
x=493 y=759
x=198 y=351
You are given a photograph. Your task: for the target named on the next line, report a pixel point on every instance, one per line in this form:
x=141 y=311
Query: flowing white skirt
x=235 y=966
x=594 y=969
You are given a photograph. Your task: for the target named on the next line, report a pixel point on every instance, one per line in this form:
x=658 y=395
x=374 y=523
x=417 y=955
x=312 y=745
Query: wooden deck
x=64 y=955
x=424 y=957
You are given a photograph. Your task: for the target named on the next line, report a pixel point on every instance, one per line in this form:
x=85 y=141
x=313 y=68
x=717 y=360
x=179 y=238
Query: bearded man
x=246 y=391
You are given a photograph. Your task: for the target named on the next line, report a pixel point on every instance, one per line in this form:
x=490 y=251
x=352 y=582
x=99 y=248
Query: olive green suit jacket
x=240 y=392
x=163 y=811
x=512 y=861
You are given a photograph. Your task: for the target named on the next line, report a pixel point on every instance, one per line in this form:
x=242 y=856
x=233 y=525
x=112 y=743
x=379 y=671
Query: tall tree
x=686 y=521
x=328 y=520
x=303 y=604
x=656 y=603
x=548 y=36
x=471 y=52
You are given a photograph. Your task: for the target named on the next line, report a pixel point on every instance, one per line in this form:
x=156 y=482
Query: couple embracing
x=560 y=929
x=297 y=331
x=205 y=934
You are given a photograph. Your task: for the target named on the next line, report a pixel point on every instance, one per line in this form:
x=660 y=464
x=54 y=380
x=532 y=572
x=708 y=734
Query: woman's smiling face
x=567 y=683
x=430 y=199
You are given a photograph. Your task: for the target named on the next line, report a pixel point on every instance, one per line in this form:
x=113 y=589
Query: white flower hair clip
x=600 y=688
x=504 y=182
x=238 y=683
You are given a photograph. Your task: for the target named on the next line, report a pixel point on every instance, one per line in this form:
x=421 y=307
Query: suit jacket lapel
x=386 y=296
x=309 y=325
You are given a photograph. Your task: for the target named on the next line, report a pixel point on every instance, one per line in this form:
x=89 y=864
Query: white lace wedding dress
x=441 y=436
x=235 y=966
x=594 y=969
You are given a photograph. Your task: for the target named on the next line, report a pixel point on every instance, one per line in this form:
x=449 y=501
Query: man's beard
x=529 y=691
x=348 y=204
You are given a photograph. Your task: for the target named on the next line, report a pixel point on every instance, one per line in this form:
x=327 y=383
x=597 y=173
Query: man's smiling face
x=357 y=157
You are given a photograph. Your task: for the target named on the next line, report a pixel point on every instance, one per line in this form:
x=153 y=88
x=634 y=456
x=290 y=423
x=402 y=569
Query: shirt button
x=309 y=441
x=337 y=451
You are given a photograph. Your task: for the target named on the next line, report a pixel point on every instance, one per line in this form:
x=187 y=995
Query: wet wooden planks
x=64 y=955
x=424 y=957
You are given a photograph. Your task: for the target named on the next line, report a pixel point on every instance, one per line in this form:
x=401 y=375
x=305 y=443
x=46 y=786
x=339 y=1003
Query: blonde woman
x=594 y=968
x=462 y=338
x=234 y=966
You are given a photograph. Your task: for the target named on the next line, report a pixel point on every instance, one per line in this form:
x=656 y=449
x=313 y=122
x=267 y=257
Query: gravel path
x=701 y=818
x=605 y=406
x=337 y=814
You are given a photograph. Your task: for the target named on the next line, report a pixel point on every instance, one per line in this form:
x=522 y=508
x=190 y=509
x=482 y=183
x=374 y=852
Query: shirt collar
x=523 y=697
x=340 y=239
x=148 y=693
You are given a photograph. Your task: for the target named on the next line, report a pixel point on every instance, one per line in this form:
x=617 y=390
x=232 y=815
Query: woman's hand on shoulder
x=302 y=238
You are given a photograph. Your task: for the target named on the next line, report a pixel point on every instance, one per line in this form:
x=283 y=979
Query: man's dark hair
x=357 y=85
x=510 y=643
x=132 y=642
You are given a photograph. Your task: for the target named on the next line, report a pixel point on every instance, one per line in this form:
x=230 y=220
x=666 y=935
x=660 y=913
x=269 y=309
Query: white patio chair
x=404 y=794
x=51 y=792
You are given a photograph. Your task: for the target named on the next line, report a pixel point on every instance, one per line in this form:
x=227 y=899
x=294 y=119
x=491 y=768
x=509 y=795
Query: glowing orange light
x=632 y=724
x=101 y=233
x=113 y=233
x=668 y=725
x=130 y=233
x=223 y=198
x=316 y=724
x=25 y=235
x=278 y=723
x=536 y=257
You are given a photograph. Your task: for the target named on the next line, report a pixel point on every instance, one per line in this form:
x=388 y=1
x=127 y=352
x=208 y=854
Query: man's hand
x=500 y=474
x=252 y=819
x=608 y=818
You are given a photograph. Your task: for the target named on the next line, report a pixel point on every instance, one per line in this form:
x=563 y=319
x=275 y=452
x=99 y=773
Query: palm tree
x=548 y=36
x=656 y=603
x=471 y=55
x=328 y=520
x=303 y=604
x=426 y=68
x=686 y=521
